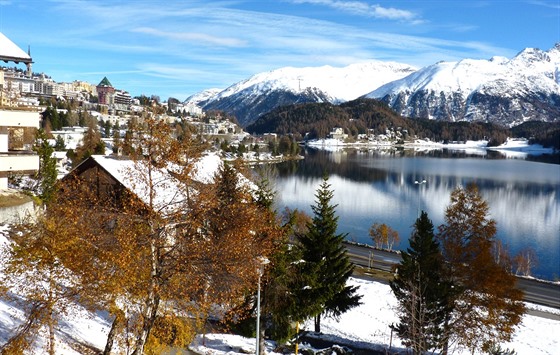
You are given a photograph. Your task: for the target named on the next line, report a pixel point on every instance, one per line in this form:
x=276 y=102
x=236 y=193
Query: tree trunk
x=445 y=348
x=50 y=305
x=261 y=341
x=152 y=303
x=111 y=336
x=51 y=330
x=318 y=323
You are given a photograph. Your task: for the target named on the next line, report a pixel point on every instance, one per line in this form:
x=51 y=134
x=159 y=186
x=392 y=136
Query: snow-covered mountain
x=263 y=92
x=502 y=90
x=202 y=96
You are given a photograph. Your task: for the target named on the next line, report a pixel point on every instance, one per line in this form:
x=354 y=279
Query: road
x=537 y=292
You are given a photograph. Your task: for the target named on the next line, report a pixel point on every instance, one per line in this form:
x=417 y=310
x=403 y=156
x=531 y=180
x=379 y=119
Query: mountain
x=202 y=96
x=250 y=98
x=363 y=115
x=499 y=90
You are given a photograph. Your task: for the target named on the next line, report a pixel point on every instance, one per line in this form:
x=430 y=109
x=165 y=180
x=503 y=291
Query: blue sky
x=179 y=47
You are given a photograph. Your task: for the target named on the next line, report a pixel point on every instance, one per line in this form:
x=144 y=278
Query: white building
x=193 y=109
x=16 y=154
x=72 y=136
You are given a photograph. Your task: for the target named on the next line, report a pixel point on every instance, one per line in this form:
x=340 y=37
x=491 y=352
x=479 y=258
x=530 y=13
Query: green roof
x=105 y=82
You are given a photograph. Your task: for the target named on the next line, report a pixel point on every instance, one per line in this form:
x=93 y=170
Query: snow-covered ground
x=512 y=148
x=366 y=325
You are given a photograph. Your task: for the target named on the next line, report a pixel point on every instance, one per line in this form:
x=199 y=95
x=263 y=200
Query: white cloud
x=392 y=13
x=195 y=43
x=549 y=4
x=199 y=38
x=364 y=9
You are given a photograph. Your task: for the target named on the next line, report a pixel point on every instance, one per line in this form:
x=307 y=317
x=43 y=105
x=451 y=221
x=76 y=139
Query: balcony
x=19 y=118
x=25 y=162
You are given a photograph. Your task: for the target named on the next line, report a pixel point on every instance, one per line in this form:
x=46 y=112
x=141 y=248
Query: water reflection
x=372 y=186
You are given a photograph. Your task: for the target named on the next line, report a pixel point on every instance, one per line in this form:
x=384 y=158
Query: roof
x=168 y=192
x=9 y=51
x=105 y=82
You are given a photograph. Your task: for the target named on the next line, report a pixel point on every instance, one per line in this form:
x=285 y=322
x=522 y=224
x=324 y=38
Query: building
x=193 y=109
x=10 y=52
x=115 y=179
x=17 y=124
x=338 y=133
x=105 y=92
x=72 y=136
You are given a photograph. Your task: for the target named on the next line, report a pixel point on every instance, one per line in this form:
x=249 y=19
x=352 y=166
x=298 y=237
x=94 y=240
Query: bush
x=169 y=332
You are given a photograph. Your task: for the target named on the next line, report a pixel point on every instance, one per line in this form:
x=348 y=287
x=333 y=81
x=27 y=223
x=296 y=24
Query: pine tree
x=46 y=175
x=59 y=145
x=285 y=283
x=487 y=306
x=420 y=290
x=326 y=265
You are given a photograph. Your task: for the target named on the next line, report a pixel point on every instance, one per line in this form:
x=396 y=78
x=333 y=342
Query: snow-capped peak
x=498 y=89
x=202 y=96
x=341 y=83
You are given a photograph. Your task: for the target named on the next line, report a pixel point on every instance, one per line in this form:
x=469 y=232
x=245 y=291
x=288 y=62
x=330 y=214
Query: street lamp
x=419 y=183
x=262 y=262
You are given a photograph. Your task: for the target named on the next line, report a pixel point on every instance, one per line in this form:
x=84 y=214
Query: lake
x=379 y=186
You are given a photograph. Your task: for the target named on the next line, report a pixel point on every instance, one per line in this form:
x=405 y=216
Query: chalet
x=114 y=178
x=338 y=133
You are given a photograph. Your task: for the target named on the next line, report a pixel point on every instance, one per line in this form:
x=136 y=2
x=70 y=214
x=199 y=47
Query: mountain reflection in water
x=371 y=186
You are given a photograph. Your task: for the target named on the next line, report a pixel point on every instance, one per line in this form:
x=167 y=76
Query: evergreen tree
x=46 y=175
x=486 y=306
x=285 y=289
x=59 y=144
x=326 y=265
x=117 y=141
x=420 y=290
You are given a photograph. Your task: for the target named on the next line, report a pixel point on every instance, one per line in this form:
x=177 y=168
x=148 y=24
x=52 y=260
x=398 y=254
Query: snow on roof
x=10 y=51
x=167 y=191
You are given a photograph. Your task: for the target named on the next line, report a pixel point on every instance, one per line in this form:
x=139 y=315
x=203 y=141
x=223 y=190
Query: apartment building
x=16 y=124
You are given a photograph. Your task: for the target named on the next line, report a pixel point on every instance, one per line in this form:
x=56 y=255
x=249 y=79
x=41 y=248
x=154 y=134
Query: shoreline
x=515 y=146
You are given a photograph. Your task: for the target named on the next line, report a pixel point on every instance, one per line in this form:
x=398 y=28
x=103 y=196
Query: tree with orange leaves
x=164 y=246
x=486 y=306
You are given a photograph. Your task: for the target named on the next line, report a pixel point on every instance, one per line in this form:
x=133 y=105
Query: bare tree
x=525 y=261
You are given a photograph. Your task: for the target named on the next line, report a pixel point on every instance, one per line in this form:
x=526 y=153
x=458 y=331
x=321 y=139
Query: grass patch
x=375 y=274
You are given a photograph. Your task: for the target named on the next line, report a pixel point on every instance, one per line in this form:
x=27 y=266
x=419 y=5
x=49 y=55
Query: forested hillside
x=316 y=120
x=545 y=133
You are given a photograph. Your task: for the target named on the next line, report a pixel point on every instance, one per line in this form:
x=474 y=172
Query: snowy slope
x=342 y=84
x=499 y=89
x=250 y=98
x=202 y=96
